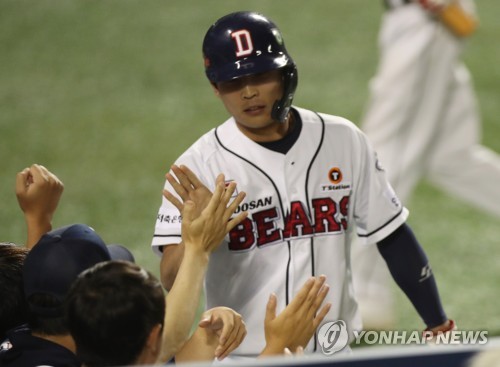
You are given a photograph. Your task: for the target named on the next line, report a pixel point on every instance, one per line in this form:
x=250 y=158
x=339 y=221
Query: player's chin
x=257 y=121
x=257 y=125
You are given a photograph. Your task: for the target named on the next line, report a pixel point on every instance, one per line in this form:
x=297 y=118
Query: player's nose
x=249 y=91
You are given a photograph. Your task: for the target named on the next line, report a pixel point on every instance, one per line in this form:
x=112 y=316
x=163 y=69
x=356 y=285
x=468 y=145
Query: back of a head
x=13 y=307
x=248 y=43
x=111 y=310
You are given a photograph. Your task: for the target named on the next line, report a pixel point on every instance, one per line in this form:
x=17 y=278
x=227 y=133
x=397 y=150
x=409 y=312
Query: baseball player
x=423 y=121
x=312 y=180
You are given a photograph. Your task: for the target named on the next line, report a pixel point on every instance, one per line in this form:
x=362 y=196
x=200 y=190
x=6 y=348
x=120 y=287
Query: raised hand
x=38 y=192
x=208 y=229
x=296 y=324
x=187 y=185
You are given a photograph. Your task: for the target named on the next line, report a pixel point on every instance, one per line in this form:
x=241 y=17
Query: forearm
x=36 y=228
x=410 y=269
x=182 y=301
x=170 y=263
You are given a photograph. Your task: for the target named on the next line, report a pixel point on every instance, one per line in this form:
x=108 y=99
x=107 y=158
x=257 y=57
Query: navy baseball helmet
x=247 y=43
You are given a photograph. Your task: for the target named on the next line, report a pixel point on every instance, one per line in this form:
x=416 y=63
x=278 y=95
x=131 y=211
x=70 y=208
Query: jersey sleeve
x=377 y=209
x=169 y=221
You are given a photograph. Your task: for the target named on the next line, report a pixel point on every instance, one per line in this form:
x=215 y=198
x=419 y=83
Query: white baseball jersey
x=303 y=207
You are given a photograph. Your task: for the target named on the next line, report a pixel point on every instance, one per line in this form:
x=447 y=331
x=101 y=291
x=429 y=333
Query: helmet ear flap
x=281 y=107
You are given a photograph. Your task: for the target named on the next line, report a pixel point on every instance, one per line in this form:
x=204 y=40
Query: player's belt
x=391 y=4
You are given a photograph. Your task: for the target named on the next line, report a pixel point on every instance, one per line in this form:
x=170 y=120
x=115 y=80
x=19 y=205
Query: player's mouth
x=254 y=110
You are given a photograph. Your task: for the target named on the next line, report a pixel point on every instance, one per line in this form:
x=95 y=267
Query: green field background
x=106 y=94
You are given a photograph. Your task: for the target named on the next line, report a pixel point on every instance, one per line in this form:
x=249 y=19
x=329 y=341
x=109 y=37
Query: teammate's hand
x=227 y=325
x=38 y=192
x=205 y=229
x=296 y=324
x=188 y=187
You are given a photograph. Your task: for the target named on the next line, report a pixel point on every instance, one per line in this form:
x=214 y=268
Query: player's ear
x=215 y=89
x=154 y=341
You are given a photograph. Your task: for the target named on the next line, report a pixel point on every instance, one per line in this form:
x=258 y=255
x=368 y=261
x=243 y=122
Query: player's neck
x=64 y=340
x=273 y=132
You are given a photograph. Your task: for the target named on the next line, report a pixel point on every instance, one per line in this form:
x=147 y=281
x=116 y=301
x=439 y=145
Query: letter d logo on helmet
x=247 y=43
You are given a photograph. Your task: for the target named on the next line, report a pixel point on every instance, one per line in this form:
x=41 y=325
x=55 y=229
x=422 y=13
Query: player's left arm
x=411 y=270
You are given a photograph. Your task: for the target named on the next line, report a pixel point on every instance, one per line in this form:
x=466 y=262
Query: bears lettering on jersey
x=328 y=216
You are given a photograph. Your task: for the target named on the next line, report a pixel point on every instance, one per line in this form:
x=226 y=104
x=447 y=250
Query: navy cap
x=61 y=255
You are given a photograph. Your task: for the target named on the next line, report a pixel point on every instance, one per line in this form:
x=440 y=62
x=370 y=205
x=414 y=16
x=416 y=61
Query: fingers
x=232 y=334
x=22 y=181
x=315 y=297
x=215 y=201
x=235 y=221
x=271 y=308
x=190 y=177
x=219 y=178
x=206 y=321
x=232 y=342
x=302 y=295
x=318 y=299
x=186 y=180
x=228 y=210
x=41 y=176
x=220 y=206
x=234 y=205
x=321 y=315
x=178 y=188
x=173 y=199
x=298 y=352
x=39 y=173
x=230 y=327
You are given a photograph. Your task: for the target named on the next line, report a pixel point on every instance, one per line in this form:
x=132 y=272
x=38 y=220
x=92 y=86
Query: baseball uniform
x=304 y=207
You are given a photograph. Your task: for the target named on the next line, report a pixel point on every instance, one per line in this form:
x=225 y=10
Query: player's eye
x=231 y=85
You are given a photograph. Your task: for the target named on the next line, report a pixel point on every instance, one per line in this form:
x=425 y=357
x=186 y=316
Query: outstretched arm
x=203 y=230
x=38 y=192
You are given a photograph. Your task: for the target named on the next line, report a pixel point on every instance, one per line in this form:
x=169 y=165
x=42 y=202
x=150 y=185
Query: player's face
x=250 y=100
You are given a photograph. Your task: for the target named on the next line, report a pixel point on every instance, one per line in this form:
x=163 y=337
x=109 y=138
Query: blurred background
x=106 y=94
